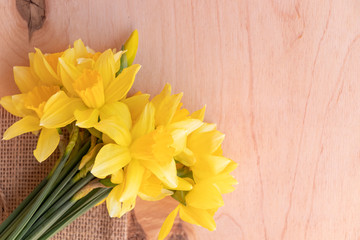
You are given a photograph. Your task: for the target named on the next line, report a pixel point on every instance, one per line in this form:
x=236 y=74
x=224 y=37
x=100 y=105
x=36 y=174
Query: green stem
x=73 y=161
x=47 y=203
x=89 y=201
x=37 y=232
x=48 y=187
x=14 y=219
x=123 y=62
x=81 y=153
x=62 y=200
x=13 y=225
x=14 y=215
x=58 y=192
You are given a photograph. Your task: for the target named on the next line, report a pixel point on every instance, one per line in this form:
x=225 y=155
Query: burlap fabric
x=20 y=173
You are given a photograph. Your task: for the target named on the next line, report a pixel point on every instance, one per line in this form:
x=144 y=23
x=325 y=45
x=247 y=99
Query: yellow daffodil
x=198 y=205
x=40 y=86
x=43 y=70
x=30 y=106
x=202 y=164
x=152 y=147
x=145 y=149
x=92 y=78
x=139 y=150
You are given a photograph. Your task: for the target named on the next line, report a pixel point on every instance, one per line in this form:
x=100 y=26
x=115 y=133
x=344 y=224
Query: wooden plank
x=279 y=77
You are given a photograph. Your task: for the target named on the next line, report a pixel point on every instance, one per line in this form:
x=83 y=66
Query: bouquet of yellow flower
x=118 y=148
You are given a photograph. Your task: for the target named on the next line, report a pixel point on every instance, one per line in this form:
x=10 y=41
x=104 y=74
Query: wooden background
x=279 y=77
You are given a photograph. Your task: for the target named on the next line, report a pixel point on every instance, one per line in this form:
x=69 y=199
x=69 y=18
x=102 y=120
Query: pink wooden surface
x=281 y=79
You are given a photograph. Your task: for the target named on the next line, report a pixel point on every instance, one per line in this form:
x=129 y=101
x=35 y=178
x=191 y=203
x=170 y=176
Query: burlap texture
x=20 y=173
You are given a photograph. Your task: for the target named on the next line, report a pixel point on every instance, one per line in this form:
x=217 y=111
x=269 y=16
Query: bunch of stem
x=51 y=206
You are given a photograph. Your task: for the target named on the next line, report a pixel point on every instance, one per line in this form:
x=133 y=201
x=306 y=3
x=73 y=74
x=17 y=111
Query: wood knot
x=135 y=231
x=178 y=232
x=33 y=12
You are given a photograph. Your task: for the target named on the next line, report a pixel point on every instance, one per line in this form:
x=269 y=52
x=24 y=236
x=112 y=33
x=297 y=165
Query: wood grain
x=280 y=78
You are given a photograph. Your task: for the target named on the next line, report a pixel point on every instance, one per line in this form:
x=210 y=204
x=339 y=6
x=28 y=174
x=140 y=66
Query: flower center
x=89 y=87
x=37 y=97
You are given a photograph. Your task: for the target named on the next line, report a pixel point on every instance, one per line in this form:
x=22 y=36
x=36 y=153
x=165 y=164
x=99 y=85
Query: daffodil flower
x=178 y=121
x=43 y=70
x=143 y=149
x=209 y=173
x=30 y=106
x=98 y=89
x=149 y=146
x=202 y=201
x=92 y=78
x=40 y=85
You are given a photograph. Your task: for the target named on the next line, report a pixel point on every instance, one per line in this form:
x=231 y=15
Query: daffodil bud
x=131 y=47
x=90 y=156
x=87 y=189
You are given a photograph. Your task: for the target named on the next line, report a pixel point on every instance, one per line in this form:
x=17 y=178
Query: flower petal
x=209 y=165
x=162 y=95
x=80 y=49
x=133 y=176
x=68 y=55
x=115 y=130
x=27 y=124
x=199 y=114
x=198 y=217
x=86 y=118
x=85 y=63
x=9 y=106
x=231 y=167
x=105 y=66
x=204 y=196
x=25 y=79
x=136 y=104
x=15 y=105
x=224 y=182
x=166 y=105
x=59 y=110
x=168 y=223
x=205 y=142
x=69 y=74
x=119 y=110
x=120 y=86
x=146 y=122
x=44 y=70
x=179 y=137
x=117 y=177
x=48 y=141
x=186 y=157
x=183 y=185
x=180 y=114
x=110 y=159
x=189 y=125
x=115 y=207
x=165 y=172
x=38 y=96
x=152 y=189
x=112 y=201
